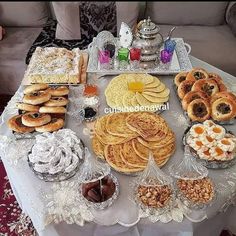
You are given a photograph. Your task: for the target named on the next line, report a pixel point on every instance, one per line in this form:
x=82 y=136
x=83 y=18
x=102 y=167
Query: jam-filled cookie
x=32 y=119
x=223 y=109
x=36 y=98
x=199 y=110
x=185 y=87
x=197 y=74
x=53 y=125
x=56 y=102
x=189 y=97
x=15 y=124
x=58 y=91
x=209 y=86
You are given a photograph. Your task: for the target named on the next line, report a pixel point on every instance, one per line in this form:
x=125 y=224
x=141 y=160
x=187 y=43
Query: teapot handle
x=189 y=48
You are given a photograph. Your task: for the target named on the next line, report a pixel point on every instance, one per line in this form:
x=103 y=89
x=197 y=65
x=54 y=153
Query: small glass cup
x=123 y=57
x=169 y=46
x=166 y=56
x=135 y=55
x=104 y=59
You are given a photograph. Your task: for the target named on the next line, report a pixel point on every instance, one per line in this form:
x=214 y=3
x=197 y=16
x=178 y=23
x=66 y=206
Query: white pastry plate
x=180 y=62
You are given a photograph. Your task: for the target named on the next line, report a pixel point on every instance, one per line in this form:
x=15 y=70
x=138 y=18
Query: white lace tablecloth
x=37 y=198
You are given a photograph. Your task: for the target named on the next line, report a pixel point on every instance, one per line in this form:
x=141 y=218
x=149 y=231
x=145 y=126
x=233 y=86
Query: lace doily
x=64 y=204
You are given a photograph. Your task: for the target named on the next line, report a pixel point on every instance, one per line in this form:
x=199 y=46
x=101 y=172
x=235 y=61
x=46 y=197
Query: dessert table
x=122 y=218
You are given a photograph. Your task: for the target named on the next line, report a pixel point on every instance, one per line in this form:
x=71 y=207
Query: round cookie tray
x=211 y=164
x=61 y=176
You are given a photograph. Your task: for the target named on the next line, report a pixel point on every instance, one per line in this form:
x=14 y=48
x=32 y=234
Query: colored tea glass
x=166 y=56
x=104 y=59
x=170 y=45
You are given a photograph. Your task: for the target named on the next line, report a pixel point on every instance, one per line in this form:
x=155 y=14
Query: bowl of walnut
x=196 y=193
x=155 y=197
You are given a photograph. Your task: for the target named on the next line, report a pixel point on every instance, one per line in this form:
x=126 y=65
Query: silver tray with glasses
x=180 y=61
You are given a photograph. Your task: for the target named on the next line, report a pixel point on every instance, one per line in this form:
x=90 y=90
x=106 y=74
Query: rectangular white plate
x=180 y=62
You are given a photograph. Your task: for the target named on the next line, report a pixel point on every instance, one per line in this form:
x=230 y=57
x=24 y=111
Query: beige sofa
x=202 y=24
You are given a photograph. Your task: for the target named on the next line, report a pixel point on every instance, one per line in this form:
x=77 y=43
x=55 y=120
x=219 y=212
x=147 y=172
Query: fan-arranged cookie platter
x=143 y=52
x=137 y=92
x=203 y=96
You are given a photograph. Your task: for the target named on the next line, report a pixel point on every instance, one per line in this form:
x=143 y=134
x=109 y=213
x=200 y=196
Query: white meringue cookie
x=56 y=152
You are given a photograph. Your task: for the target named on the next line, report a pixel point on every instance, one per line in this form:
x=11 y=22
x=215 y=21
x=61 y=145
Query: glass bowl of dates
x=100 y=193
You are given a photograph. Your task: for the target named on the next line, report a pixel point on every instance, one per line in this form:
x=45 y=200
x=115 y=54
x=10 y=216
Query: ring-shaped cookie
x=33 y=119
x=58 y=91
x=15 y=124
x=55 y=124
x=56 y=102
x=36 y=98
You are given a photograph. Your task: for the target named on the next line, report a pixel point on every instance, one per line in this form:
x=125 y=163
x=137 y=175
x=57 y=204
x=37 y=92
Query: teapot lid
x=147 y=27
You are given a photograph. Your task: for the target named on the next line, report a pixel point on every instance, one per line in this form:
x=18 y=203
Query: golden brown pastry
x=15 y=124
x=197 y=74
x=199 y=110
x=26 y=107
x=192 y=95
x=180 y=78
x=223 y=94
x=223 y=109
x=209 y=86
x=35 y=87
x=218 y=80
x=45 y=109
x=58 y=91
x=32 y=119
x=55 y=124
x=56 y=102
x=36 y=98
x=185 y=87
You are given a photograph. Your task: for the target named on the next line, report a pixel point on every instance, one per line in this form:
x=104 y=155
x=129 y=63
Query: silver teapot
x=148 y=37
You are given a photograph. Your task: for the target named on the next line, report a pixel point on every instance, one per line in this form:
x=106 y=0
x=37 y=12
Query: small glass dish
x=89 y=113
x=98 y=188
x=91 y=101
x=194 y=204
x=106 y=203
x=152 y=190
x=193 y=186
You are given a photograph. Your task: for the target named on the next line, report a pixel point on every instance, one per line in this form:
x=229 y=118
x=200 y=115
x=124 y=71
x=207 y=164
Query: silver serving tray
x=190 y=122
x=180 y=62
x=210 y=164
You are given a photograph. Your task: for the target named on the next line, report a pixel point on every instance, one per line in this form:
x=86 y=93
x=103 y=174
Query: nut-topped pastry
x=54 y=65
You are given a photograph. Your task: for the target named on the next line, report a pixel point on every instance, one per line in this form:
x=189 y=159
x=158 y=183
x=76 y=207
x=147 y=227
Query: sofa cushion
x=32 y=14
x=231 y=17
x=77 y=20
x=13 y=50
x=215 y=45
x=187 y=13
